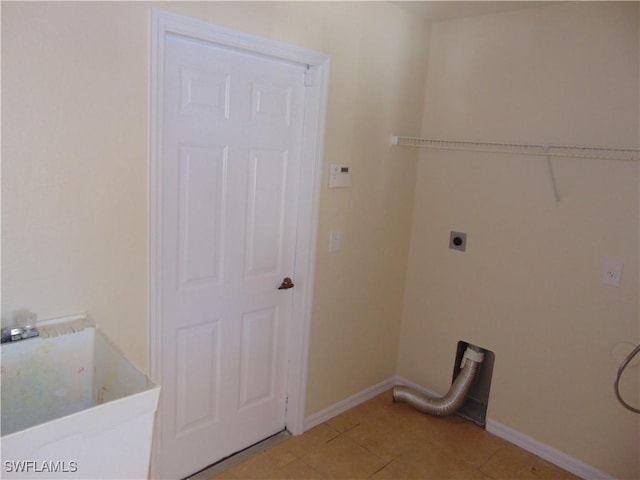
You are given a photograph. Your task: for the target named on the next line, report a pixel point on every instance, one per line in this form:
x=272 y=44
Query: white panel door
x=231 y=168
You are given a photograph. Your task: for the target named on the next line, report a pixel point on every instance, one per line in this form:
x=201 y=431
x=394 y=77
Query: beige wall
x=75 y=153
x=74 y=165
x=528 y=287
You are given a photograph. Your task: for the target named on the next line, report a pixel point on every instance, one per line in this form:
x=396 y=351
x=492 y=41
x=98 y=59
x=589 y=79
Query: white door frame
x=162 y=24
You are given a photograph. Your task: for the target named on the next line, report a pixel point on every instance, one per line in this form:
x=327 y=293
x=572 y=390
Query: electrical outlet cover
x=612 y=273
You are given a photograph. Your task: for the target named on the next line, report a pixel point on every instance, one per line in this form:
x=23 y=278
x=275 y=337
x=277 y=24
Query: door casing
x=165 y=23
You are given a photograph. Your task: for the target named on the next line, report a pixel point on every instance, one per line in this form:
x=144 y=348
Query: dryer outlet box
x=458 y=241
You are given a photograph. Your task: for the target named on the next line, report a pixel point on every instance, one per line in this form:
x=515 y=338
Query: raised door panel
x=259 y=355
x=205 y=92
x=202 y=208
x=197 y=379
x=271 y=103
x=265 y=212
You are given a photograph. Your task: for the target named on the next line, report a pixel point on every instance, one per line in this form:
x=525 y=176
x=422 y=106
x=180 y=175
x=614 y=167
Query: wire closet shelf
x=566 y=151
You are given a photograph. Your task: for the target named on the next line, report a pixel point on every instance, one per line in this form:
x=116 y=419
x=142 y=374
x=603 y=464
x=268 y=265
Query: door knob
x=286 y=284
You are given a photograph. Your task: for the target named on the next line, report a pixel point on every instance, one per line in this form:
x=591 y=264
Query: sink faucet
x=25 y=328
x=13 y=334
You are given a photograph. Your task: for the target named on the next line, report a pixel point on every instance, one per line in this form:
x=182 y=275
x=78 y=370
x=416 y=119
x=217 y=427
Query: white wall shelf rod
x=542 y=150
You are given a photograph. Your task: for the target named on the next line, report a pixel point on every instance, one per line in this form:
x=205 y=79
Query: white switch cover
x=612 y=273
x=339 y=175
x=334 y=240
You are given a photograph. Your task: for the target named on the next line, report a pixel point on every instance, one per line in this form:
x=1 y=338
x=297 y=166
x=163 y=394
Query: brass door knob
x=286 y=284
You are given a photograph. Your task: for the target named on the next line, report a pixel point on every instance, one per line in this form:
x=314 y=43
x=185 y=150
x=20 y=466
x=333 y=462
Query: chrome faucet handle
x=25 y=327
x=13 y=334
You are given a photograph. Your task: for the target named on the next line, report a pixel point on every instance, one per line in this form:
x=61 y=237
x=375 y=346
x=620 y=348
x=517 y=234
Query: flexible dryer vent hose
x=616 y=384
x=454 y=398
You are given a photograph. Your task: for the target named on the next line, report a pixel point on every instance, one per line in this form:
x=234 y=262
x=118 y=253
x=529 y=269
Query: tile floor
x=382 y=440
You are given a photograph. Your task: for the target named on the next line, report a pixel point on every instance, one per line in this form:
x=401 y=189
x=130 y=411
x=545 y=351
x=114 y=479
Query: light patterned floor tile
x=298 y=470
x=262 y=466
x=512 y=462
x=380 y=440
x=342 y=458
x=430 y=461
x=311 y=440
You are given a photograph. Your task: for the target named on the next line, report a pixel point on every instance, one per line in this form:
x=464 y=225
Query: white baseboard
x=348 y=403
x=550 y=454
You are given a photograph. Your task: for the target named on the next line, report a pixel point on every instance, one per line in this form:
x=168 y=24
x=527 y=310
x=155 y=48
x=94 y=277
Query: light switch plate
x=334 y=240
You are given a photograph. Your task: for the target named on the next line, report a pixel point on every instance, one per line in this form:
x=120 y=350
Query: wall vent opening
x=477 y=401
